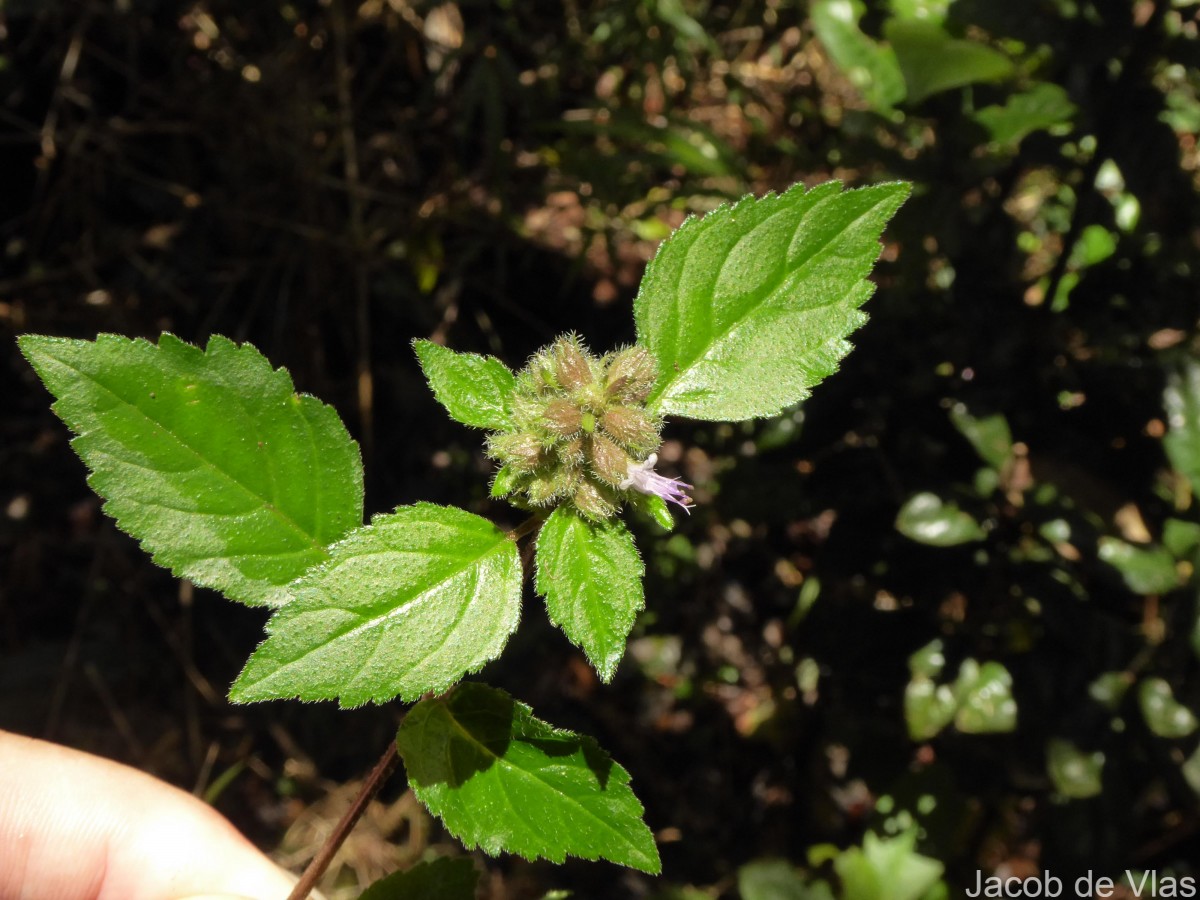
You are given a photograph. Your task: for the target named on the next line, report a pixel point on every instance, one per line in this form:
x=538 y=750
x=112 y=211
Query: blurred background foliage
x=941 y=618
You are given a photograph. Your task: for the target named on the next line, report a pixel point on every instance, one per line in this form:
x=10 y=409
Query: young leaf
x=504 y=781
x=441 y=879
x=748 y=308
x=208 y=457
x=474 y=389
x=408 y=604
x=591 y=576
x=926 y=518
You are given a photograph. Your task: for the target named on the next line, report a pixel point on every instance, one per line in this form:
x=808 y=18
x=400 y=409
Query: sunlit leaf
x=503 y=780
x=208 y=457
x=748 y=308
x=985 y=700
x=406 y=605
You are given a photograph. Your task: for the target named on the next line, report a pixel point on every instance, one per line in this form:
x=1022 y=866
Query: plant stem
x=342 y=830
x=527 y=526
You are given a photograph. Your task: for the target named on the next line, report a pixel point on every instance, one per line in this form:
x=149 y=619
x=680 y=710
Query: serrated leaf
x=926 y=518
x=748 y=308
x=1181 y=400
x=1164 y=715
x=474 y=389
x=591 y=576
x=932 y=61
x=441 y=879
x=208 y=457
x=406 y=605
x=503 y=780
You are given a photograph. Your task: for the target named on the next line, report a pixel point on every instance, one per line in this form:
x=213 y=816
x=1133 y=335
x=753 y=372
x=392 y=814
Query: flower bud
x=571 y=366
x=523 y=452
x=562 y=417
x=631 y=374
x=594 y=501
x=608 y=461
x=631 y=428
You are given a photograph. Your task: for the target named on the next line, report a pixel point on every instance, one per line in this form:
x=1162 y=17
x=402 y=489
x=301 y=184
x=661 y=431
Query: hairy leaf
x=208 y=457
x=748 y=308
x=474 y=389
x=441 y=879
x=591 y=576
x=503 y=780
x=408 y=604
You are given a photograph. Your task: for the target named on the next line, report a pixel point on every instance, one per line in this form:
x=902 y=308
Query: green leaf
x=871 y=67
x=591 y=576
x=208 y=457
x=771 y=879
x=928 y=660
x=406 y=605
x=1164 y=715
x=1041 y=107
x=504 y=781
x=1181 y=400
x=1075 y=774
x=985 y=701
x=989 y=435
x=932 y=61
x=887 y=869
x=748 y=308
x=441 y=879
x=928 y=707
x=927 y=519
x=1109 y=688
x=1181 y=538
x=1145 y=570
x=474 y=389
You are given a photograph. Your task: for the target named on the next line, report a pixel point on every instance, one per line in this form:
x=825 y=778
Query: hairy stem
x=337 y=837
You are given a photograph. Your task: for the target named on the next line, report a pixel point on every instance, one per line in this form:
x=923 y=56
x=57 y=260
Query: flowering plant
x=231 y=479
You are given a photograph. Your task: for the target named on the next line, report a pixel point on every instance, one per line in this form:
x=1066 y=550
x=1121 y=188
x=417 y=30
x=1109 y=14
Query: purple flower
x=642 y=477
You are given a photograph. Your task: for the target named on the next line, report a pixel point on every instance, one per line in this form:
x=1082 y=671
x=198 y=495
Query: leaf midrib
x=755 y=299
x=267 y=503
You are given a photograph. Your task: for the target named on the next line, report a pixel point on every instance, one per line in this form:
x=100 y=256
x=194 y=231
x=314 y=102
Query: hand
x=78 y=827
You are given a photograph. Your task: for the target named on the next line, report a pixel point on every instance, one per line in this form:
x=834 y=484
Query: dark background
x=330 y=180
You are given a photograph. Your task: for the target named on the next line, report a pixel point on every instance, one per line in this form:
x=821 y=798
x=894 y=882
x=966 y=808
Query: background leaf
x=932 y=61
x=1043 y=106
x=208 y=457
x=406 y=605
x=441 y=879
x=503 y=780
x=473 y=388
x=1075 y=773
x=591 y=577
x=1182 y=401
x=1164 y=715
x=748 y=308
x=926 y=518
x=869 y=65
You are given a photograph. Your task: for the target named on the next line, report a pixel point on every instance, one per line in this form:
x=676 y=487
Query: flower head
x=642 y=477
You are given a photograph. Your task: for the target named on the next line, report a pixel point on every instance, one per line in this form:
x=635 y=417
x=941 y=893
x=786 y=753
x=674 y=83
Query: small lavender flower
x=642 y=477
